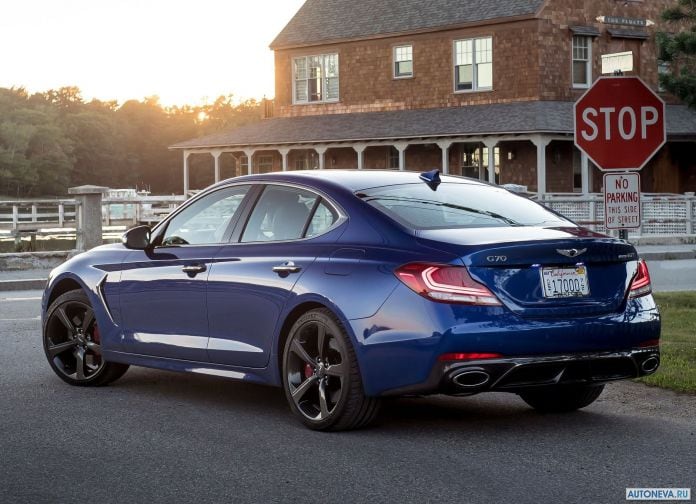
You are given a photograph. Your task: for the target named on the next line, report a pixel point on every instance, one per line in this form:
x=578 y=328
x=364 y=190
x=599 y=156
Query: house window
x=577 y=171
x=473 y=64
x=307 y=160
x=244 y=165
x=301 y=162
x=582 y=61
x=265 y=163
x=403 y=61
x=496 y=164
x=470 y=161
x=393 y=159
x=315 y=78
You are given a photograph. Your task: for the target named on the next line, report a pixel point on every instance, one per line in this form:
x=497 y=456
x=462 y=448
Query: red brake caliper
x=308 y=370
x=96 y=337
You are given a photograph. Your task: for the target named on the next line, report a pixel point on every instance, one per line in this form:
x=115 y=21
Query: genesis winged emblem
x=571 y=252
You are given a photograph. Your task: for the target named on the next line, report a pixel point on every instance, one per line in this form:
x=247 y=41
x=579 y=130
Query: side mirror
x=137 y=238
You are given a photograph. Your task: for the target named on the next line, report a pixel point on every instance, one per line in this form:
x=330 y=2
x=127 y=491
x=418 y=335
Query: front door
x=163 y=290
x=252 y=279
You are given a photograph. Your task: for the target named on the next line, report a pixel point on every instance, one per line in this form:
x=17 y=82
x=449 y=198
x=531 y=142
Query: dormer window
x=315 y=79
x=473 y=64
x=403 y=61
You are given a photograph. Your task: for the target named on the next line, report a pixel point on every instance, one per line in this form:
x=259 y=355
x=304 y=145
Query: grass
x=678 y=360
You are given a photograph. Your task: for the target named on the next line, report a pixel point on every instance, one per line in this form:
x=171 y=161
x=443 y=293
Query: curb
x=24 y=284
x=668 y=256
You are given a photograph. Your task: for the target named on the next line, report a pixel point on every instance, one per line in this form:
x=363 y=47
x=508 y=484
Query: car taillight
x=445 y=284
x=640 y=286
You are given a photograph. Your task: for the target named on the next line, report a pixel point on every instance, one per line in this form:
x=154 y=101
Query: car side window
x=323 y=218
x=205 y=221
x=281 y=214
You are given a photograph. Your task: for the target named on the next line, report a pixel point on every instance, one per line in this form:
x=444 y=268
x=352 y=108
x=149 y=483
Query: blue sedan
x=344 y=287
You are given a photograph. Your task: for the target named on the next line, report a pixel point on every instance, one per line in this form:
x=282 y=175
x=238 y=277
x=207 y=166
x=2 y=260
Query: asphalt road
x=155 y=436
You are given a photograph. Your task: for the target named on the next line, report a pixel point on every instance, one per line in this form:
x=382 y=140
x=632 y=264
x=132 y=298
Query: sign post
x=620 y=124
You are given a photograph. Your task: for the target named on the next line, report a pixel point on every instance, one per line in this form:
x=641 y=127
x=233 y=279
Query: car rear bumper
x=399 y=348
x=519 y=373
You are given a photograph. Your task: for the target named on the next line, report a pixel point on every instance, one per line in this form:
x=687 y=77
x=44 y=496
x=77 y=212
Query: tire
x=319 y=361
x=562 y=398
x=72 y=343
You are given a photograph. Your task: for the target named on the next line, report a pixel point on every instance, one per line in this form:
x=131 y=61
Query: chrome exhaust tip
x=650 y=364
x=471 y=379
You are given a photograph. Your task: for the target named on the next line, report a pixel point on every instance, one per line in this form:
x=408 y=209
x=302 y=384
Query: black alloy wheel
x=72 y=342
x=320 y=375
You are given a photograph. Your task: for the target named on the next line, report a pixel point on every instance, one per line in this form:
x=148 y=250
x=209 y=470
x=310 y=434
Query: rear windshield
x=455 y=205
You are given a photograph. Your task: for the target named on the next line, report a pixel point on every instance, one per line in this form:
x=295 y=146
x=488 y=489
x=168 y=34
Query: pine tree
x=678 y=50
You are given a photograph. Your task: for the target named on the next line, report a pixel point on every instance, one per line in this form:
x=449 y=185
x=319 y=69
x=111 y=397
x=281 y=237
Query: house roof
x=629 y=34
x=321 y=21
x=552 y=117
x=587 y=31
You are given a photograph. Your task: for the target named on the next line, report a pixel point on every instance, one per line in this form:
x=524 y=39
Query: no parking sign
x=622 y=200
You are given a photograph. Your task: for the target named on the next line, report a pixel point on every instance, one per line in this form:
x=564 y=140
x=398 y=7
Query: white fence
x=34 y=214
x=38 y=215
x=661 y=214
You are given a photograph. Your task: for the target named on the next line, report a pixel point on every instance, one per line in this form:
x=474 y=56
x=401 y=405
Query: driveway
x=155 y=436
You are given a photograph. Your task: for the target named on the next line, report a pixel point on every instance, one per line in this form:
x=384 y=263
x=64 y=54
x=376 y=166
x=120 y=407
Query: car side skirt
x=262 y=376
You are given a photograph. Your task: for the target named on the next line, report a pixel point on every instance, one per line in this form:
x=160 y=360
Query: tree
x=53 y=140
x=679 y=51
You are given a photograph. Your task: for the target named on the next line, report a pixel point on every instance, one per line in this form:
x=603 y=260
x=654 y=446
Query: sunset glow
x=184 y=52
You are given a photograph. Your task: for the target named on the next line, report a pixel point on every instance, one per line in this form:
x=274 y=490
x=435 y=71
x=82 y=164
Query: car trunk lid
x=584 y=273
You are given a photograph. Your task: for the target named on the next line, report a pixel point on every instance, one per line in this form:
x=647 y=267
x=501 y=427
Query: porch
x=523 y=143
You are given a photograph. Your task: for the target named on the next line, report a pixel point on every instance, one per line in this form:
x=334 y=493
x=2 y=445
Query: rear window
x=454 y=205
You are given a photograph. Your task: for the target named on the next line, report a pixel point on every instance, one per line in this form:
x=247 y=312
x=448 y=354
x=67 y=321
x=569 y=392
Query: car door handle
x=287 y=268
x=193 y=269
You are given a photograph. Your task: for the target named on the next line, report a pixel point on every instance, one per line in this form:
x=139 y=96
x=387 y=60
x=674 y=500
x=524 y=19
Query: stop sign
x=620 y=123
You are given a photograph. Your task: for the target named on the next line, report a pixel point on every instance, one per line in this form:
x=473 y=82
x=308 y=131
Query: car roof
x=353 y=180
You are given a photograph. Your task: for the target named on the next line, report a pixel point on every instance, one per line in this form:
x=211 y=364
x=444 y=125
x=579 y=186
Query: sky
x=185 y=52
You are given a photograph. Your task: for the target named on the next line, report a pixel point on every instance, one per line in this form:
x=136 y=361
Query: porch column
x=249 y=153
x=284 y=154
x=216 y=156
x=585 y=172
x=186 y=173
x=445 y=147
x=491 y=145
x=321 y=151
x=360 y=150
x=401 y=147
x=541 y=144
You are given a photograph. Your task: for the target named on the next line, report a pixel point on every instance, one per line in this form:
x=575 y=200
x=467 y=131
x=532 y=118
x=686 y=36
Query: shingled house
x=481 y=88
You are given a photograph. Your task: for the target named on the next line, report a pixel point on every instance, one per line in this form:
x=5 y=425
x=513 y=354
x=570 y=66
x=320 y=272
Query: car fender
x=90 y=277
x=291 y=306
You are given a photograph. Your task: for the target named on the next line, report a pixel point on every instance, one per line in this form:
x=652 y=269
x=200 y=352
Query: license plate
x=565 y=282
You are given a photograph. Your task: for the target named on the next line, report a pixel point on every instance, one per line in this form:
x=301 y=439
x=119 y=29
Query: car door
x=252 y=278
x=163 y=289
